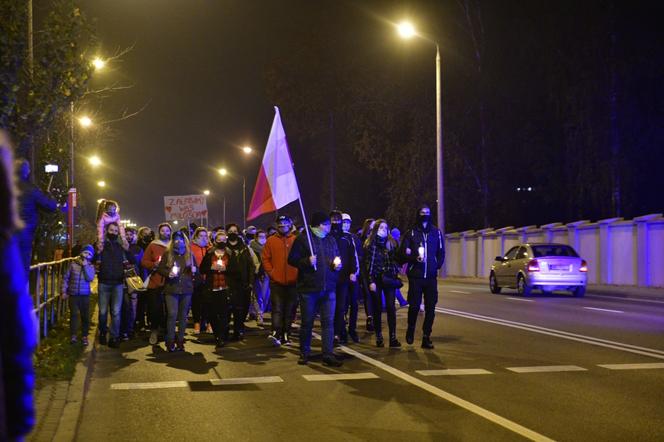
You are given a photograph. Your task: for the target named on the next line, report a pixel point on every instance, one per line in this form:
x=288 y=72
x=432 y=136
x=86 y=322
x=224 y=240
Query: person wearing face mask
x=76 y=286
x=261 y=298
x=110 y=261
x=367 y=226
x=380 y=251
x=318 y=272
x=154 y=293
x=423 y=249
x=347 y=274
x=283 y=277
x=216 y=295
x=352 y=304
x=240 y=275
x=250 y=234
x=145 y=237
x=199 y=248
x=177 y=269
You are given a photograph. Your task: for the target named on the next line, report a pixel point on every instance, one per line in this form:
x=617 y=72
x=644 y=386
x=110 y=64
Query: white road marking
x=339 y=377
x=241 y=381
x=621 y=299
x=603 y=310
x=633 y=366
x=476 y=409
x=519 y=299
x=149 y=385
x=459 y=291
x=453 y=372
x=546 y=369
x=653 y=353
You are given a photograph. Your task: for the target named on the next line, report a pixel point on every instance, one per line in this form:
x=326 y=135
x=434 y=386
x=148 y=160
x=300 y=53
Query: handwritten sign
x=185 y=207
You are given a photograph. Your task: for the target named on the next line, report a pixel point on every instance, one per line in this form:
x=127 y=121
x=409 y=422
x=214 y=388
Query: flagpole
x=306 y=224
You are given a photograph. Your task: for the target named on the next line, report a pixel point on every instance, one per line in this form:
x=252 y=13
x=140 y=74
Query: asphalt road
x=504 y=368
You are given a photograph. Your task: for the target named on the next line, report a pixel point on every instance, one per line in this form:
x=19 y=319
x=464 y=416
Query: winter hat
x=346 y=217
x=318 y=218
x=284 y=219
x=88 y=248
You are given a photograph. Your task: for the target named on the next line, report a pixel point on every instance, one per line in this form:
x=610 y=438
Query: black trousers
x=283 y=298
x=197 y=310
x=416 y=288
x=343 y=289
x=389 y=307
x=238 y=308
x=156 y=308
x=352 y=305
x=216 y=306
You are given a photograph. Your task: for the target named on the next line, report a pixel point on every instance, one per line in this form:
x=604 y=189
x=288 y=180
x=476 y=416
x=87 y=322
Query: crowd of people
x=225 y=276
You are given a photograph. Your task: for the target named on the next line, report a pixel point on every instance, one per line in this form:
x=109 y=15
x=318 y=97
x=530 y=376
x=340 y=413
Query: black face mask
x=423 y=218
x=112 y=236
x=233 y=237
x=336 y=227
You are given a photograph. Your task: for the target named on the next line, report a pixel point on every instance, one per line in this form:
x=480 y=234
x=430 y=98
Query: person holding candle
x=348 y=261
x=154 y=294
x=380 y=251
x=423 y=249
x=216 y=295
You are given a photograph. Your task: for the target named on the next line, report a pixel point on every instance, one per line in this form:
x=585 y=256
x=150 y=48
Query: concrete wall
x=618 y=251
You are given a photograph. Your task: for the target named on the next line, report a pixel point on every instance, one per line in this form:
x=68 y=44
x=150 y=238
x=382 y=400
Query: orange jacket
x=275 y=259
x=198 y=252
x=150 y=260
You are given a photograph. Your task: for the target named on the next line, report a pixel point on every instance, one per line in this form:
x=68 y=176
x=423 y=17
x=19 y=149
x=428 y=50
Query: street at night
x=504 y=368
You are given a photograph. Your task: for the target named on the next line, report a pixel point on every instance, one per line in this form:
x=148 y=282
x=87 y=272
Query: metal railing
x=45 y=285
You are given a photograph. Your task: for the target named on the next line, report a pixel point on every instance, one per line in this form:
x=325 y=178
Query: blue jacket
x=76 y=280
x=17 y=343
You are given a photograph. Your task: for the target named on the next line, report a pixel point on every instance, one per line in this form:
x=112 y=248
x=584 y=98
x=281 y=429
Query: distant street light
x=98 y=63
x=206 y=192
x=85 y=121
x=94 y=161
x=101 y=183
x=223 y=171
x=247 y=149
x=406 y=31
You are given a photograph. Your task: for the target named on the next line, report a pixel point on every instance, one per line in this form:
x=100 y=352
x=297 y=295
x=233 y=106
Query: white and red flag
x=276 y=185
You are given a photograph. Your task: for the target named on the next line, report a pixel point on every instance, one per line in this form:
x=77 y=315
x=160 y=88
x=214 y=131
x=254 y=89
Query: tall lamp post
x=224 y=172
x=406 y=31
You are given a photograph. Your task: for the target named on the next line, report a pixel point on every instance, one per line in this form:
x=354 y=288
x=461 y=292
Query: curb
x=71 y=413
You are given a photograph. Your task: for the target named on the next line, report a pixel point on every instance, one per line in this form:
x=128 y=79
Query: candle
x=220 y=263
x=175 y=270
x=336 y=261
x=420 y=251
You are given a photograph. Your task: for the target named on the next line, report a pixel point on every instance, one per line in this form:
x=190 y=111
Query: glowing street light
x=247 y=149
x=94 y=161
x=101 y=183
x=206 y=192
x=223 y=171
x=85 y=121
x=98 y=63
x=406 y=30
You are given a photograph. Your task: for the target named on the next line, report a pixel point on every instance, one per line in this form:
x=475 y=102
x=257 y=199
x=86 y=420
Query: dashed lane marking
x=647 y=366
x=459 y=291
x=604 y=310
x=339 y=377
x=149 y=385
x=519 y=299
x=453 y=372
x=241 y=381
x=546 y=369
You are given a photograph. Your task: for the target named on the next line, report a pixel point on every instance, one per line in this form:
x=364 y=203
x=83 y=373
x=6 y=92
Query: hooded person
x=422 y=248
x=318 y=267
x=241 y=271
x=154 y=294
x=347 y=274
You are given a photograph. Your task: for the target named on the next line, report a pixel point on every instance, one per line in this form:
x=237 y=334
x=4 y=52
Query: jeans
x=155 y=301
x=417 y=287
x=310 y=304
x=177 y=307
x=352 y=305
x=110 y=294
x=129 y=303
x=343 y=289
x=79 y=306
x=284 y=297
x=378 y=310
x=262 y=290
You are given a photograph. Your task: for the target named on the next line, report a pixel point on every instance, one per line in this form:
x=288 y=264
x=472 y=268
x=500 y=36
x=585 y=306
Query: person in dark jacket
x=216 y=293
x=423 y=249
x=111 y=263
x=354 y=287
x=31 y=200
x=76 y=286
x=240 y=275
x=347 y=274
x=18 y=339
x=130 y=300
x=176 y=266
x=318 y=271
x=380 y=251
x=364 y=285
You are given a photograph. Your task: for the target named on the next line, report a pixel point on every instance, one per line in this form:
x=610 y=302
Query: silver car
x=546 y=267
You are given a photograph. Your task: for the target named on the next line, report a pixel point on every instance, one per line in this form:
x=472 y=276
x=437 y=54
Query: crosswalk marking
x=453 y=372
x=546 y=369
x=241 y=381
x=633 y=366
x=149 y=385
x=339 y=377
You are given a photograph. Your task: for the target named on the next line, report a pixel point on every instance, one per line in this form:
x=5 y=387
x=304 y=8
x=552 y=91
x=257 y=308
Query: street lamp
x=224 y=172
x=406 y=30
x=98 y=63
x=94 y=161
x=247 y=150
x=101 y=183
x=206 y=192
x=85 y=121
x=223 y=200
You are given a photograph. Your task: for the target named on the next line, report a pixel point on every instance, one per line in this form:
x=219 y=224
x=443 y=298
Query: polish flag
x=276 y=185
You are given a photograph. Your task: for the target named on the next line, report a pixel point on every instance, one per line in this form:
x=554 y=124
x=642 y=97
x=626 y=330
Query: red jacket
x=151 y=258
x=275 y=259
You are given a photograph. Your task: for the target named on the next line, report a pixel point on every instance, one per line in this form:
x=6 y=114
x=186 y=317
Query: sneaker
x=84 y=341
x=197 y=328
x=170 y=347
x=275 y=339
x=125 y=336
x=426 y=343
x=154 y=337
x=303 y=360
x=331 y=361
x=113 y=343
x=410 y=336
x=370 y=326
x=180 y=346
x=379 y=341
x=394 y=342
x=219 y=343
x=422 y=308
x=208 y=329
x=259 y=321
x=102 y=339
x=286 y=340
x=73 y=340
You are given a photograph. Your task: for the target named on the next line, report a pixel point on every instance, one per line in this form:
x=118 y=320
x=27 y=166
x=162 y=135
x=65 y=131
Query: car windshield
x=553 y=250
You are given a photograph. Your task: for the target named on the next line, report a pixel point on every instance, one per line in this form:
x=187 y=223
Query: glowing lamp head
x=95 y=161
x=206 y=192
x=247 y=150
x=98 y=63
x=101 y=183
x=223 y=172
x=406 y=30
x=85 y=121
